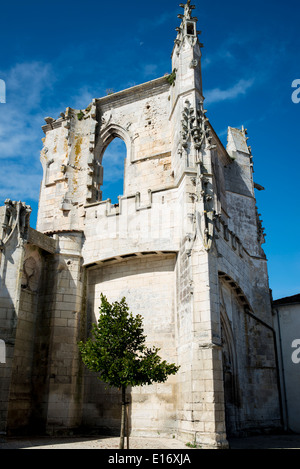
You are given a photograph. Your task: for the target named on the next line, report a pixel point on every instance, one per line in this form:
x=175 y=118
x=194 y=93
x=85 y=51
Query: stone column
x=207 y=394
x=64 y=399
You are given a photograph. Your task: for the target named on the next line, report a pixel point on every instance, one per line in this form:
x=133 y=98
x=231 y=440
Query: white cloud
x=27 y=81
x=146 y=24
x=217 y=95
x=150 y=70
x=21 y=119
x=82 y=98
x=22 y=114
x=19 y=183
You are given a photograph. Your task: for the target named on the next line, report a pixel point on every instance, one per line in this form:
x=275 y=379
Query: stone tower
x=183 y=245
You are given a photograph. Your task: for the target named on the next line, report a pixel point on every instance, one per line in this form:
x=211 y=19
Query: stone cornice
x=150 y=88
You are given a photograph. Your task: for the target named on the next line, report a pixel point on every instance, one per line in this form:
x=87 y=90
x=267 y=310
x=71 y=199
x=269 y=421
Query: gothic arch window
x=112 y=153
x=113 y=163
x=2 y=351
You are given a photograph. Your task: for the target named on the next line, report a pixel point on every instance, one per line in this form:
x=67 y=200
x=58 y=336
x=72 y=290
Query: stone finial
x=188 y=24
x=187 y=9
x=49 y=120
x=16 y=218
x=237 y=141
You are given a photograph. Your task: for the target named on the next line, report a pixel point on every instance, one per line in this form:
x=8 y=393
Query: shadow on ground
x=266 y=442
x=97 y=442
x=107 y=442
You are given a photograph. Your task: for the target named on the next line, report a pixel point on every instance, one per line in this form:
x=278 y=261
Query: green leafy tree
x=117 y=351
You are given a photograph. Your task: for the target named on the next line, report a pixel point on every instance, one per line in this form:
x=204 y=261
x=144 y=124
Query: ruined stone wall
x=141 y=119
x=74 y=145
x=20 y=395
x=41 y=306
x=134 y=226
x=14 y=226
x=250 y=368
x=183 y=245
x=65 y=309
x=148 y=283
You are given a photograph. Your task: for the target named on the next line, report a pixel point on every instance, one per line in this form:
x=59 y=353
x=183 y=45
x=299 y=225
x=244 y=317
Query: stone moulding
x=131 y=95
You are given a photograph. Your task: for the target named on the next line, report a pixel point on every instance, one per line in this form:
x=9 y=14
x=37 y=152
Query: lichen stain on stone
x=78 y=143
x=43 y=154
x=66 y=149
x=55 y=145
x=77 y=148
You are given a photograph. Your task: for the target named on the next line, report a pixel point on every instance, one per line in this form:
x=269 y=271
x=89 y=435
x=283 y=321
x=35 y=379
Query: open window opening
x=190 y=29
x=113 y=163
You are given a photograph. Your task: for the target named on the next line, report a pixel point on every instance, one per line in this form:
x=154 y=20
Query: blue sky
x=65 y=53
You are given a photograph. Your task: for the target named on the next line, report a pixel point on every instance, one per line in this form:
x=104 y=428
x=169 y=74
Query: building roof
x=287 y=300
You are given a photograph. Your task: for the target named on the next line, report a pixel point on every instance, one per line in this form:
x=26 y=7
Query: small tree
x=118 y=353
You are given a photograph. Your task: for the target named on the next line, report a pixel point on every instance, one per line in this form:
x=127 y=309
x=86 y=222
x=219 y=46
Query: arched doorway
x=230 y=378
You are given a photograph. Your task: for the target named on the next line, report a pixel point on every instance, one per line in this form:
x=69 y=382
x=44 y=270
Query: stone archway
x=230 y=380
x=232 y=398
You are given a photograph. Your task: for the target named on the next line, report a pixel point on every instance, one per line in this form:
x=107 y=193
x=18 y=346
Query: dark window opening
x=190 y=29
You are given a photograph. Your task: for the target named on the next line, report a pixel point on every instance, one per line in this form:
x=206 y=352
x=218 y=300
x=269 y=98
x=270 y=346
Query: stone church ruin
x=183 y=245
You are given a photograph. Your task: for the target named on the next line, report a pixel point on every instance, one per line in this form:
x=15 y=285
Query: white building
x=287 y=323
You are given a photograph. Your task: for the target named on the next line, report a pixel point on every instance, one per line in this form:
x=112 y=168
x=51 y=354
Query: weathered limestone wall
x=141 y=112
x=9 y=291
x=70 y=177
x=20 y=395
x=134 y=226
x=65 y=309
x=241 y=203
x=13 y=228
x=200 y=415
x=246 y=271
x=74 y=146
x=41 y=386
x=148 y=283
x=250 y=368
x=183 y=245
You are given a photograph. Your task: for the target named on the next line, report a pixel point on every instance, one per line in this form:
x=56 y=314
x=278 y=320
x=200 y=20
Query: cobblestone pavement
x=104 y=442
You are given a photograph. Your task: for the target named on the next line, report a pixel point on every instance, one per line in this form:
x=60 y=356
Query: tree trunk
x=123 y=418
x=127 y=423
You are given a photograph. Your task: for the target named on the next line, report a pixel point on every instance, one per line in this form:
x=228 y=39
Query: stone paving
x=99 y=442
x=104 y=442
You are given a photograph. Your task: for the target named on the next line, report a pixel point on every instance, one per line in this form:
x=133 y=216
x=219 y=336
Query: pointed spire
x=186 y=53
x=188 y=27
